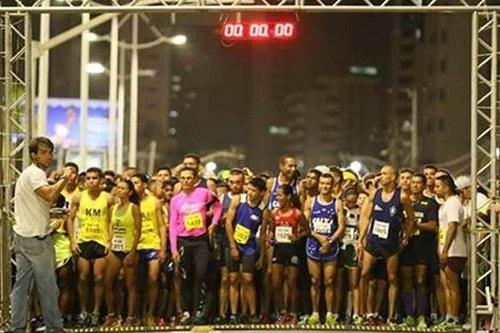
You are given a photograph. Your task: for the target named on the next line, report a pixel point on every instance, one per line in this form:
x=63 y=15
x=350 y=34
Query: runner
x=243 y=220
x=417 y=256
x=152 y=244
x=230 y=281
x=125 y=234
x=452 y=247
x=190 y=233
x=62 y=244
x=288 y=226
x=91 y=243
x=348 y=261
x=326 y=217
x=380 y=225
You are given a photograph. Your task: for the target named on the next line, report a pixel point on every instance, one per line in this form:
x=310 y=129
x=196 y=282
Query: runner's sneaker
x=185 y=319
x=82 y=320
x=233 y=320
x=408 y=322
x=111 y=321
x=129 y=321
x=94 y=320
x=357 y=320
x=331 y=319
x=392 y=323
x=161 y=322
x=421 y=324
x=313 y=319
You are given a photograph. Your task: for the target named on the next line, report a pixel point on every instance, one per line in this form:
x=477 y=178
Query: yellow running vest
x=62 y=243
x=150 y=235
x=123 y=226
x=92 y=216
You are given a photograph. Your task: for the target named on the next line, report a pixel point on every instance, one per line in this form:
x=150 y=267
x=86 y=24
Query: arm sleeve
x=173 y=227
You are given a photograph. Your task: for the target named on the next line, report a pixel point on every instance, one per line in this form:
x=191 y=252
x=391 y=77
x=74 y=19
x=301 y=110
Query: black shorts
x=92 y=250
x=286 y=254
x=120 y=254
x=379 y=270
x=381 y=251
x=417 y=252
x=245 y=262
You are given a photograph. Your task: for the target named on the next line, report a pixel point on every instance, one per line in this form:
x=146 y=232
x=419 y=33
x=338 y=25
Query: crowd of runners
x=178 y=248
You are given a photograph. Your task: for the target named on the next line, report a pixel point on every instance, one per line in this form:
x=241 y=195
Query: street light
x=92 y=36
x=356 y=166
x=178 y=39
x=95 y=68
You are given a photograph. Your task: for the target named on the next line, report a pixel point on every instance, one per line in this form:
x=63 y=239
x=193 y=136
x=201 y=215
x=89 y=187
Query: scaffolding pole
x=134 y=93
x=484 y=249
x=84 y=92
x=113 y=86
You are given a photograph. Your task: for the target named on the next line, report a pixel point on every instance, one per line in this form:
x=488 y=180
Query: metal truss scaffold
x=484 y=264
x=136 y=6
x=16 y=105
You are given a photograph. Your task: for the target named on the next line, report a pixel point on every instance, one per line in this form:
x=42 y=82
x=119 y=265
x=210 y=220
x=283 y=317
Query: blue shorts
x=312 y=250
x=148 y=255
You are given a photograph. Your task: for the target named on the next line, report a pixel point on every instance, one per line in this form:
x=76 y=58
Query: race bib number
x=241 y=234
x=118 y=244
x=350 y=234
x=283 y=234
x=193 y=221
x=118 y=241
x=381 y=229
x=321 y=227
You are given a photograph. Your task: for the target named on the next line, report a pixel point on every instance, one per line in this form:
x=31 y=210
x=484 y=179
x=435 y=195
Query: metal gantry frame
x=16 y=105
x=484 y=143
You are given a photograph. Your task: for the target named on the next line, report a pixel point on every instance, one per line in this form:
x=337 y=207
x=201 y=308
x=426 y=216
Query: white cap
x=322 y=168
x=462 y=182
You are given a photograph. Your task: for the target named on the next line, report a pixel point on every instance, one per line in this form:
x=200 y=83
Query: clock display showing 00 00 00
x=249 y=31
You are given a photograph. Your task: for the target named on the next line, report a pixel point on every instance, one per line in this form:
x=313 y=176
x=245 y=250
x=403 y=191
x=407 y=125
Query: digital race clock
x=258 y=30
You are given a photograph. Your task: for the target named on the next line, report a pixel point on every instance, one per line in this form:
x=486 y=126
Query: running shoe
x=408 y=322
x=111 y=321
x=161 y=322
x=185 y=319
x=94 y=320
x=265 y=319
x=129 y=321
x=82 y=320
x=357 y=320
x=421 y=324
x=331 y=319
x=313 y=319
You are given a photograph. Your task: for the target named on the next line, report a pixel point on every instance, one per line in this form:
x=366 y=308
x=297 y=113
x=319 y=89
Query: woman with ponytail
x=125 y=232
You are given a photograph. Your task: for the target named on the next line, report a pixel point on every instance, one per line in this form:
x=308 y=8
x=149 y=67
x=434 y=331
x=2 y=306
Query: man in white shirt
x=33 y=245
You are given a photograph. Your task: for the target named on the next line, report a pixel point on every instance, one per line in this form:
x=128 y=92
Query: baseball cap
x=462 y=182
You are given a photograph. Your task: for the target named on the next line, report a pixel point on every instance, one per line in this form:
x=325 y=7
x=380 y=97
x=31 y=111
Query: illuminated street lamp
x=178 y=39
x=356 y=166
x=95 y=68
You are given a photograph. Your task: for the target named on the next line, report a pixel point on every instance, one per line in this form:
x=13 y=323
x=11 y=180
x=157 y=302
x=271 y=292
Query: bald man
x=385 y=214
